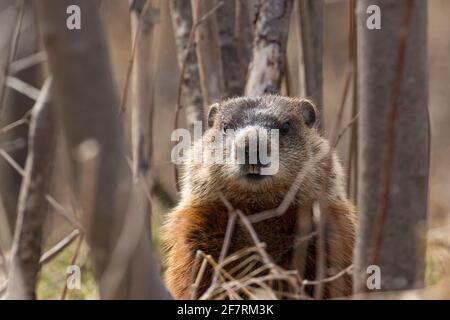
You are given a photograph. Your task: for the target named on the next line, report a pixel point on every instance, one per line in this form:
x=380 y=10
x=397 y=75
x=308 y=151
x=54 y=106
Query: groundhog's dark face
x=266 y=140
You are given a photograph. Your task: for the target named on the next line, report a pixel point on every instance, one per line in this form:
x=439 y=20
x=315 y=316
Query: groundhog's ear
x=308 y=111
x=212 y=114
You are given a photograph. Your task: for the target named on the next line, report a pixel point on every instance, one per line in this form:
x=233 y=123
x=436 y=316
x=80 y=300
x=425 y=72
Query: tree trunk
x=394 y=144
x=143 y=24
x=233 y=79
x=311 y=26
x=33 y=206
x=243 y=35
x=208 y=51
x=269 y=47
x=88 y=109
x=181 y=13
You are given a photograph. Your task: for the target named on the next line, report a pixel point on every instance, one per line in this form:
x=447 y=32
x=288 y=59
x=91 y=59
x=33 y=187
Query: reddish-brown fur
x=209 y=222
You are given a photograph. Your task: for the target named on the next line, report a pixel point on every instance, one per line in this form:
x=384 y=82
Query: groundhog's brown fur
x=199 y=221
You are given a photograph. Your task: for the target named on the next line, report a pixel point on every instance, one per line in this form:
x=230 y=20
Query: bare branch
x=32 y=207
x=63 y=212
x=21 y=121
x=12 y=162
x=22 y=87
x=59 y=247
x=27 y=62
x=143 y=12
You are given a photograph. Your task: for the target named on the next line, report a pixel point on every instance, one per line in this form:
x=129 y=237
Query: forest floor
x=53 y=275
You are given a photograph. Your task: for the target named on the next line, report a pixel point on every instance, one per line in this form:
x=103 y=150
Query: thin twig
x=132 y=57
x=341 y=273
x=248 y=225
x=246 y=222
x=59 y=247
x=306 y=238
x=293 y=190
x=12 y=162
x=22 y=87
x=200 y=274
x=63 y=212
x=352 y=170
x=337 y=123
x=227 y=238
x=27 y=62
x=14 y=124
x=224 y=273
x=344 y=130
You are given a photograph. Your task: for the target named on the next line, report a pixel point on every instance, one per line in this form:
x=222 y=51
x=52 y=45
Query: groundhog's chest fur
x=203 y=228
x=277 y=234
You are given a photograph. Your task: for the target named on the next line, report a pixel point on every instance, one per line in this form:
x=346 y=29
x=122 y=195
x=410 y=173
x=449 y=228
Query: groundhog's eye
x=285 y=128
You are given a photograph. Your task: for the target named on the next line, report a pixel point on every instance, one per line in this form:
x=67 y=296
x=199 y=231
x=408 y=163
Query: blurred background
x=117 y=25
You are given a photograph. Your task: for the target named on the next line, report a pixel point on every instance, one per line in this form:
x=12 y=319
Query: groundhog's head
x=265 y=141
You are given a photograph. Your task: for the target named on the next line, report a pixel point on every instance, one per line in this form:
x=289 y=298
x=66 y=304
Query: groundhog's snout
x=253 y=154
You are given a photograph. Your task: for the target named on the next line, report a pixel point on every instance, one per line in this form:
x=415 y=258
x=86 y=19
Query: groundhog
x=199 y=221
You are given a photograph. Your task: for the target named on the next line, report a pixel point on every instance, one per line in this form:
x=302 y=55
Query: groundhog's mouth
x=254 y=177
x=252 y=173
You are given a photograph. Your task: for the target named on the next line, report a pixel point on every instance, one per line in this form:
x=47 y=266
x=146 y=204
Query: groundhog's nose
x=252 y=157
x=254 y=153
x=247 y=147
x=252 y=148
